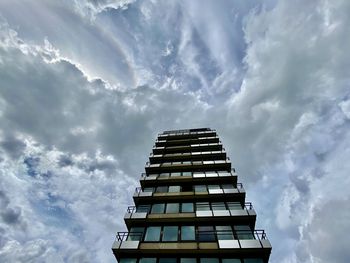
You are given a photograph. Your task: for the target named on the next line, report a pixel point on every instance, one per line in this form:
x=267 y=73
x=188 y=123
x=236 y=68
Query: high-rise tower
x=190 y=208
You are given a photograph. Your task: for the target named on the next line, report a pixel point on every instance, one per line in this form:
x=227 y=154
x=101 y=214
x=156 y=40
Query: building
x=190 y=208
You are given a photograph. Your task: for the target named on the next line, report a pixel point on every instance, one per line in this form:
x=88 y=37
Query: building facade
x=190 y=208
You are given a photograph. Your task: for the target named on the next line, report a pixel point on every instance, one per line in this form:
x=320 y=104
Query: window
x=170 y=233
x=187 y=188
x=224 y=232
x=172 y=208
x=253 y=260
x=188 y=260
x=152 y=233
x=162 y=189
x=135 y=233
x=167 y=260
x=209 y=260
x=127 y=260
x=174 y=189
x=143 y=208
x=231 y=260
x=187 y=208
x=234 y=205
x=147 y=260
x=206 y=234
x=188 y=233
x=157 y=209
x=218 y=206
x=202 y=206
x=243 y=232
x=200 y=188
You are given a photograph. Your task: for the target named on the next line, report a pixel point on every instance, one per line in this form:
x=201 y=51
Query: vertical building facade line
x=189 y=207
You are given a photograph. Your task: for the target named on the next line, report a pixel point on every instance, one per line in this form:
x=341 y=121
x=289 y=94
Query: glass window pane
x=148 y=189
x=127 y=260
x=218 y=206
x=234 y=205
x=224 y=232
x=206 y=234
x=170 y=233
x=135 y=233
x=200 y=188
x=157 y=208
x=243 y=232
x=167 y=260
x=188 y=233
x=209 y=260
x=188 y=260
x=253 y=260
x=143 y=208
x=152 y=233
x=231 y=260
x=174 y=189
x=148 y=260
x=187 y=208
x=162 y=189
x=202 y=206
x=172 y=208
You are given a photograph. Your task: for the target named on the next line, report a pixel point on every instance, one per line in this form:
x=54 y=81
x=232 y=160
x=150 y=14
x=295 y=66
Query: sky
x=86 y=86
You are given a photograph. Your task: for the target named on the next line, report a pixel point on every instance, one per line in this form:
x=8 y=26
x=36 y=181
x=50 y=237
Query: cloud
x=82 y=99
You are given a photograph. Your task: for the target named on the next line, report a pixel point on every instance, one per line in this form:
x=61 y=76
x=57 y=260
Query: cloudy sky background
x=86 y=85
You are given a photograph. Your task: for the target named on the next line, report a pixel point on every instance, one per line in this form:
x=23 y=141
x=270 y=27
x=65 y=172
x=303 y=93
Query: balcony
x=212 y=165
x=188 y=156
x=196 y=214
x=188 y=148
x=186 y=135
x=223 y=242
x=199 y=192
x=188 y=178
x=201 y=139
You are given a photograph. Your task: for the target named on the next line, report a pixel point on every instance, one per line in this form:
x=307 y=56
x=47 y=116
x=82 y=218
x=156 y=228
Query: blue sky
x=86 y=85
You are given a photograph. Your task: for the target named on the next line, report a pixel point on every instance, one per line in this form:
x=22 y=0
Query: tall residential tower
x=190 y=208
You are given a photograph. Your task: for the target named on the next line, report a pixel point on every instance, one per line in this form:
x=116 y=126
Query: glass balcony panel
x=224 y=174
x=148 y=189
x=152 y=233
x=211 y=174
x=202 y=206
x=175 y=174
x=228 y=186
x=198 y=175
x=170 y=233
x=158 y=208
x=188 y=233
x=172 y=208
x=187 y=208
x=148 y=260
x=210 y=187
x=187 y=174
x=163 y=175
x=174 y=189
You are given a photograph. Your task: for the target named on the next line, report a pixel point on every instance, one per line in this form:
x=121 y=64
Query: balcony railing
x=188 y=163
x=133 y=209
x=184 y=132
x=201 y=236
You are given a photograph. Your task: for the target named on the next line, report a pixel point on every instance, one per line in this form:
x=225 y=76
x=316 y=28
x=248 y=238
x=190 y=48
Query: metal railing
x=133 y=209
x=201 y=236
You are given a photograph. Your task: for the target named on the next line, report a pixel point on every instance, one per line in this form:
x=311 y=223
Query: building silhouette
x=190 y=208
